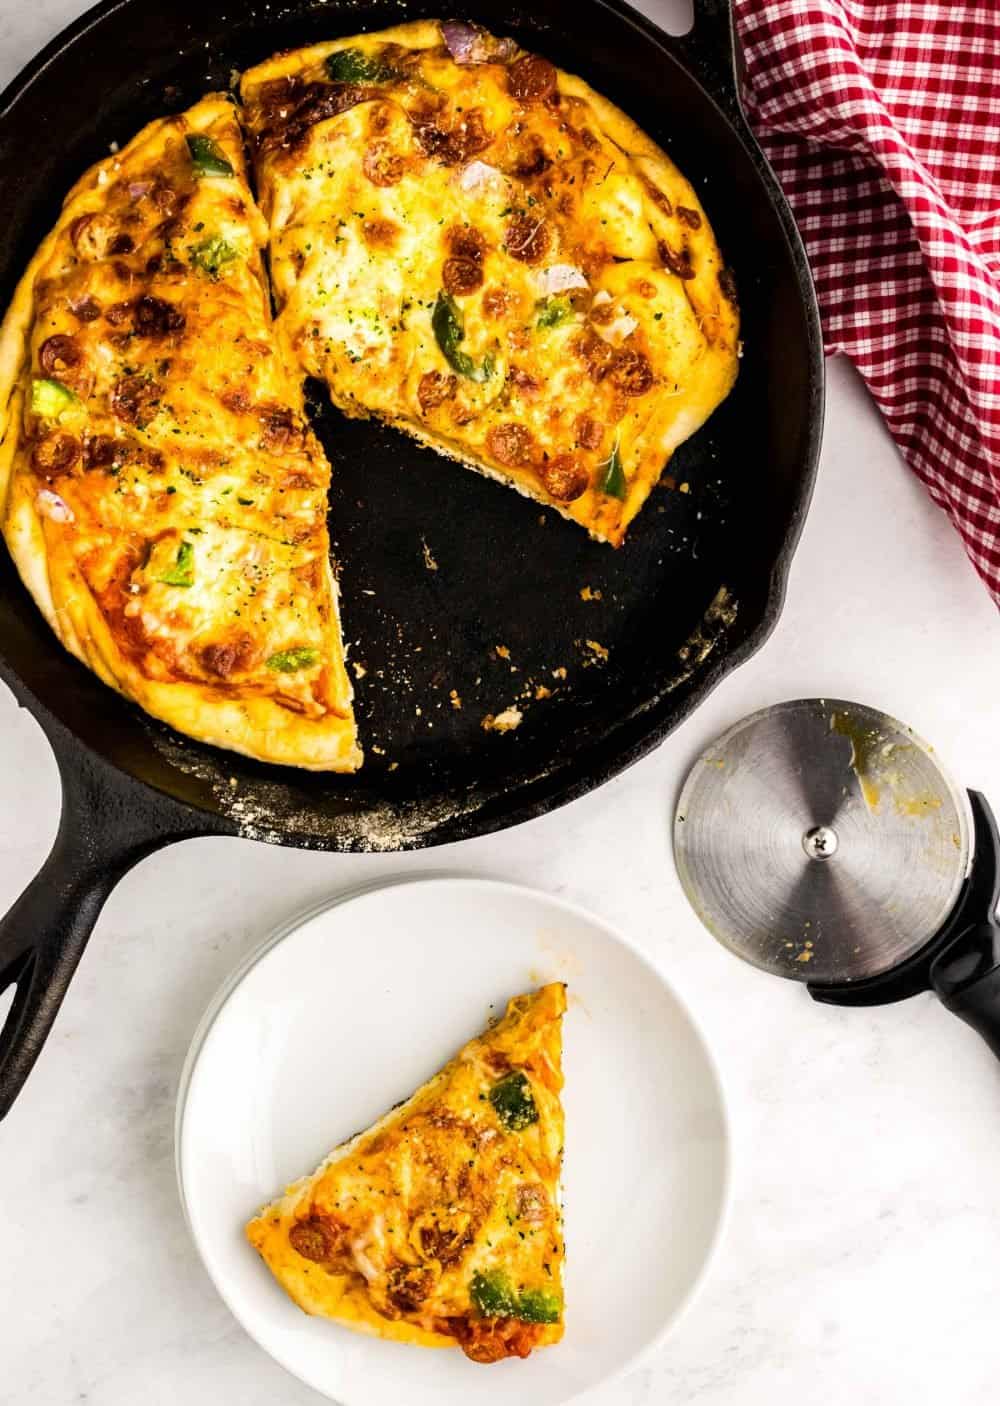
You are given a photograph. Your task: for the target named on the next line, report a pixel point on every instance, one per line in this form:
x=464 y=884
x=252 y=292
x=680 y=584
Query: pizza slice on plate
x=161 y=492
x=441 y=1225
x=482 y=250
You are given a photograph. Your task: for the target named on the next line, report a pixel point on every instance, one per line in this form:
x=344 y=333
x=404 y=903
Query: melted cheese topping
x=173 y=469
x=442 y=1223
x=488 y=254
x=588 y=330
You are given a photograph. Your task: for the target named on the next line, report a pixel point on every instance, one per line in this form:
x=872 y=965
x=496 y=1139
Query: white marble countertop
x=860 y=1262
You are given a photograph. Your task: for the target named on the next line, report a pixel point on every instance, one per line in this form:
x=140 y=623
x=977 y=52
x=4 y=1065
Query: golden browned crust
x=240 y=714
x=441 y=1224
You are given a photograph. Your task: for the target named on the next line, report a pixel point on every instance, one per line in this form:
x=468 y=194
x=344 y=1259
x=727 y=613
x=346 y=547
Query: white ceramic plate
x=346 y=1012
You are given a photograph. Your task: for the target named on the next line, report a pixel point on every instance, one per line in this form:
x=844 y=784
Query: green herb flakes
x=513 y=1102
x=553 y=311
x=49 y=399
x=613 y=481
x=539 y=1306
x=208 y=158
x=449 y=331
x=290 y=661
x=353 y=66
x=212 y=255
x=182 y=571
x=492 y=1295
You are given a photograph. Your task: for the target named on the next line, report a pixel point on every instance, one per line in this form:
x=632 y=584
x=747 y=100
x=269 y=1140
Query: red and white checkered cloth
x=882 y=121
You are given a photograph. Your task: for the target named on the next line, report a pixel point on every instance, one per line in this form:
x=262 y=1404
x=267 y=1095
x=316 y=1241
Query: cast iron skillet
x=438 y=567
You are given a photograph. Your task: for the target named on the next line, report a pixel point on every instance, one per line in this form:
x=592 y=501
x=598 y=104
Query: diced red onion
x=468 y=43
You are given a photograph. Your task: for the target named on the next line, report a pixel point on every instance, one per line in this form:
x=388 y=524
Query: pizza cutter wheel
x=824 y=841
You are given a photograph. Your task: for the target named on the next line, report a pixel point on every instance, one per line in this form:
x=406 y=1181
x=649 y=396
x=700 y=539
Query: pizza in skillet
x=463 y=240
x=161 y=492
x=441 y=1225
x=480 y=249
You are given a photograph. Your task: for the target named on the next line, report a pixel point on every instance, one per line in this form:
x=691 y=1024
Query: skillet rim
x=603 y=758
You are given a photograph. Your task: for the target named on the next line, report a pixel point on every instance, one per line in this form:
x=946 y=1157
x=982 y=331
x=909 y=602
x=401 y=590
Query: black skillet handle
x=966 y=974
x=710 y=50
x=108 y=823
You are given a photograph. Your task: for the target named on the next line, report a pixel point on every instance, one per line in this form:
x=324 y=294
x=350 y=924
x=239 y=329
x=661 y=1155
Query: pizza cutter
x=824 y=841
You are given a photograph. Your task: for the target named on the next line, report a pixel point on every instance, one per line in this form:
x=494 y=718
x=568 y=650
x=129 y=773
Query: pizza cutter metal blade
x=824 y=841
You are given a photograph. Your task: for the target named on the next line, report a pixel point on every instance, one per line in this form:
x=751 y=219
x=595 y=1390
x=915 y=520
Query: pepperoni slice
x=454 y=147
x=59 y=353
x=55 y=453
x=91 y=235
x=589 y=432
x=135 y=399
x=86 y=310
x=103 y=452
x=597 y=354
x=382 y=165
x=512 y=444
x=564 y=477
x=531 y=78
x=155 y=317
x=523 y=380
x=118 y=313
x=462 y=276
x=631 y=372
x=313 y=1239
x=379 y=233
x=434 y=389
x=465 y=242
x=527 y=238
x=495 y=302
x=222 y=660
x=407 y=1286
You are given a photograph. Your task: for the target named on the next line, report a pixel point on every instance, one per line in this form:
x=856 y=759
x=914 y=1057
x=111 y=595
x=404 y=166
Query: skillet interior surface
x=439 y=567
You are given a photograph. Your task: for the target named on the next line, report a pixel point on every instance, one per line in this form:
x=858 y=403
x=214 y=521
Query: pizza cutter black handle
x=106 y=826
x=966 y=973
x=966 y=976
